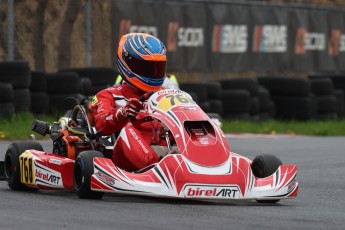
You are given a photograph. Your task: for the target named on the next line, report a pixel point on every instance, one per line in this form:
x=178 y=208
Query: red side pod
x=45 y=162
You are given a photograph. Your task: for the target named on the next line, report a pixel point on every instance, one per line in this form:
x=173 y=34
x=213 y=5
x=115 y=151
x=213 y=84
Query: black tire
x=248 y=84
x=293 y=108
x=22 y=100
x=214 y=90
x=96 y=88
x=83 y=169
x=205 y=106
x=64 y=101
x=97 y=75
x=340 y=102
x=199 y=88
x=254 y=106
x=6 y=92
x=322 y=86
x=86 y=87
x=63 y=83
x=264 y=99
x=38 y=82
x=39 y=103
x=236 y=101
x=284 y=86
x=194 y=96
x=263 y=166
x=216 y=106
x=6 y=110
x=17 y=73
x=12 y=166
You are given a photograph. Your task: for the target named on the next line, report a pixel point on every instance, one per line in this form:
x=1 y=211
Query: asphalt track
x=320 y=204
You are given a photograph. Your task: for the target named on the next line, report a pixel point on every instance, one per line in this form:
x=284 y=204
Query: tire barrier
x=22 y=100
x=63 y=83
x=6 y=109
x=40 y=102
x=86 y=87
x=216 y=106
x=100 y=77
x=291 y=96
x=340 y=102
x=63 y=102
x=264 y=99
x=6 y=100
x=199 y=88
x=248 y=84
x=294 y=107
x=284 y=86
x=214 y=90
x=321 y=86
x=17 y=73
x=6 y=92
x=38 y=82
x=205 y=106
x=61 y=86
x=235 y=102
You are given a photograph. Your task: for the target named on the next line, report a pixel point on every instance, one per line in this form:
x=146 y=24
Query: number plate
x=168 y=101
x=27 y=168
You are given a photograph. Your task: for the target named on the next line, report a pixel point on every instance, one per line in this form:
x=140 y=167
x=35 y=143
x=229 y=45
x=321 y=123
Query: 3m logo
x=270 y=39
x=127 y=27
x=230 y=38
x=206 y=191
x=183 y=37
x=309 y=41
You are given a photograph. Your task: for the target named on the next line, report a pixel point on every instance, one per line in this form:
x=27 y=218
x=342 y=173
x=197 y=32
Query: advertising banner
x=229 y=37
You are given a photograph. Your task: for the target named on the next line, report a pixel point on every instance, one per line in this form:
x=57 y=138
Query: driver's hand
x=132 y=108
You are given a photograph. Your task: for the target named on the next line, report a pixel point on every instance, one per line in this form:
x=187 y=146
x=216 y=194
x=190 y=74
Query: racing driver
x=141 y=60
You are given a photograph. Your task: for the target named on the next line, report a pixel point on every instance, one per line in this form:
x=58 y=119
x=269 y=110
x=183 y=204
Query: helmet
x=141 y=60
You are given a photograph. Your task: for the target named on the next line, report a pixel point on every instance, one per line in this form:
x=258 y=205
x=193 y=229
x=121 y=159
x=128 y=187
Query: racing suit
x=132 y=149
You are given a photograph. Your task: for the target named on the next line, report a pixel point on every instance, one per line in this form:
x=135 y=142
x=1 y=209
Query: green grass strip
x=19 y=127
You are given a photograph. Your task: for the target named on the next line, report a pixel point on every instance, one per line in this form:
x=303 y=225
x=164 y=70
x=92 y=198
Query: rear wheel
x=83 y=170
x=12 y=165
x=264 y=166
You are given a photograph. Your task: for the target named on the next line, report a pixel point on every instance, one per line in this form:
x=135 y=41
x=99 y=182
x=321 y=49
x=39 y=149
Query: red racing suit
x=132 y=149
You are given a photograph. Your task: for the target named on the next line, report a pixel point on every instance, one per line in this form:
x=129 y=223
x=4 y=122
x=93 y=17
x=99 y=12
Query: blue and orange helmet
x=141 y=60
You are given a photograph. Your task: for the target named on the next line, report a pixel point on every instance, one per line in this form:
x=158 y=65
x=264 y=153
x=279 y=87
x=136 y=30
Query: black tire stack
x=63 y=90
x=40 y=102
x=199 y=93
x=240 y=98
x=99 y=77
x=291 y=96
x=6 y=100
x=327 y=101
x=17 y=73
x=214 y=91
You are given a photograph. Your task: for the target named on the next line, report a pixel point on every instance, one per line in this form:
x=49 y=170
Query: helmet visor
x=150 y=69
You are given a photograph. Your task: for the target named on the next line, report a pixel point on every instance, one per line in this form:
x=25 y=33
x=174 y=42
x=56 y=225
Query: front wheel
x=12 y=164
x=264 y=166
x=83 y=170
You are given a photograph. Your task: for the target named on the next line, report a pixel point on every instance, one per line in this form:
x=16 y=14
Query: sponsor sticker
x=210 y=191
x=55 y=161
x=105 y=178
x=94 y=100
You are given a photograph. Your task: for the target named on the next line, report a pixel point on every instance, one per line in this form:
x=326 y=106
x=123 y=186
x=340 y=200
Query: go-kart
x=199 y=164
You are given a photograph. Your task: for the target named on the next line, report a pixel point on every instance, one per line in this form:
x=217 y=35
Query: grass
x=19 y=127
